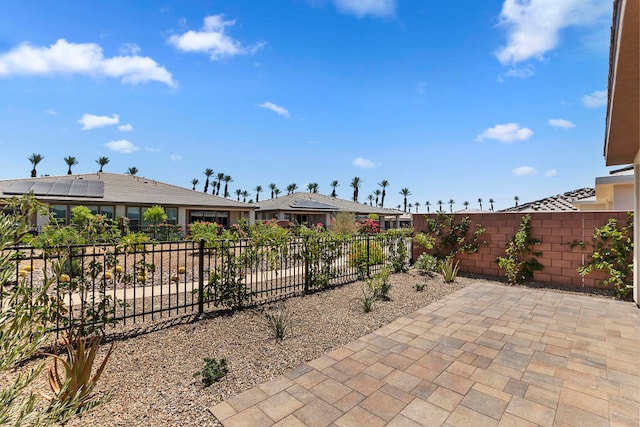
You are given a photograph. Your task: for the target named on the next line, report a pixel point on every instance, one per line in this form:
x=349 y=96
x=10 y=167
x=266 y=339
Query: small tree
x=520 y=261
x=156 y=215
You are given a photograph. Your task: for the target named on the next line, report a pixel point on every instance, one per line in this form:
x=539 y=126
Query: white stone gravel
x=151 y=371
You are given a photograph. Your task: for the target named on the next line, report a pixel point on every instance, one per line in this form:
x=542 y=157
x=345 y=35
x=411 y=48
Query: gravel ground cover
x=151 y=371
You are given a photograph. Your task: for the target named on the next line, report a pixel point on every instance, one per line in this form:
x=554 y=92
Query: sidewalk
x=486 y=355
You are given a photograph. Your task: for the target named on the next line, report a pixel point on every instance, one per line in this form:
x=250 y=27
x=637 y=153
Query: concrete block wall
x=556 y=231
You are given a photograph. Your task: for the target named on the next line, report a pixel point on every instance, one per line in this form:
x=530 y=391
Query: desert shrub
x=426 y=263
x=520 y=261
x=368 y=226
x=367 y=299
x=449 y=269
x=278 y=322
x=419 y=287
x=213 y=371
x=613 y=254
x=344 y=223
x=398 y=253
x=379 y=284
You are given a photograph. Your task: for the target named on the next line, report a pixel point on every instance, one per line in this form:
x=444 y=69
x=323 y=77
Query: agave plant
x=76 y=385
x=449 y=270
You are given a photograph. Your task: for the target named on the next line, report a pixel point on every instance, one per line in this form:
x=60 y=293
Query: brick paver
x=485 y=355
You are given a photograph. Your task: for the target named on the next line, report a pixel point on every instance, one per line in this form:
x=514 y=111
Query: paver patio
x=487 y=355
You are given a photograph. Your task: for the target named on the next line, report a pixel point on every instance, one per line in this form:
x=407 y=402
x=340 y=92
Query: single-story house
x=314 y=208
x=614 y=192
x=119 y=195
x=622 y=132
x=558 y=203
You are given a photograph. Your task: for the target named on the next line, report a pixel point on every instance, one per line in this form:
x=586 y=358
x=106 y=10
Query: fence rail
x=105 y=284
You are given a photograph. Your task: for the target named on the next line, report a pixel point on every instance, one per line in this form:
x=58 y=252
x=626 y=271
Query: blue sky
x=460 y=99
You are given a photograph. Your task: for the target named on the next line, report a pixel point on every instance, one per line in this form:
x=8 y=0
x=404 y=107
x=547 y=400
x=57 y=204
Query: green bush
x=451 y=237
x=364 y=254
x=379 y=284
x=613 y=254
x=426 y=263
x=213 y=371
x=520 y=261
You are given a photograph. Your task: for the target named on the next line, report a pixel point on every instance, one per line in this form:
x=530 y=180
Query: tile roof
x=558 y=203
x=120 y=189
x=315 y=202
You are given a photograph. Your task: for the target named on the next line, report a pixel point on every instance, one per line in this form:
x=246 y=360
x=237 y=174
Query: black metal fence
x=108 y=284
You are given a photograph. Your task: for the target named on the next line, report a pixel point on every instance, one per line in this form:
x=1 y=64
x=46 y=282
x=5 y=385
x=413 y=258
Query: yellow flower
x=64 y=278
x=142 y=278
x=27 y=268
x=118 y=269
x=182 y=270
x=107 y=275
x=23 y=273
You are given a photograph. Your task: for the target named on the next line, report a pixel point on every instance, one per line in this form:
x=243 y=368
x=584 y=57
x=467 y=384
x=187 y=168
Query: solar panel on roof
x=60 y=187
x=19 y=187
x=311 y=204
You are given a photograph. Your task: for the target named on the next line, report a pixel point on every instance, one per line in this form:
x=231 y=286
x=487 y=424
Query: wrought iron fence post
x=306 y=263
x=201 y=277
x=368 y=257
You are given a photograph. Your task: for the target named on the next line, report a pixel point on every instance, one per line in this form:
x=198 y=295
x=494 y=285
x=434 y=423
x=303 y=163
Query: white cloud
x=524 y=170
x=212 y=40
x=51 y=112
x=595 y=99
x=534 y=26
x=89 y=121
x=361 y=162
x=151 y=150
x=125 y=128
x=81 y=58
x=122 y=146
x=175 y=157
x=361 y=8
x=551 y=173
x=275 y=108
x=520 y=73
x=561 y=123
x=508 y=132
x=130 y=49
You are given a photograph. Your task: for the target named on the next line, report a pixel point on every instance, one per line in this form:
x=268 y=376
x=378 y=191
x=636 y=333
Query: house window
x=107 y=211
x=60 y=213
x=172 y=215
x=219 y=217
x=133 y=213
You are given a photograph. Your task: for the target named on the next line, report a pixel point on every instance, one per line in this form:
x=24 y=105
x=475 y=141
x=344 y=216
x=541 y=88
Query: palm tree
x=466 y=204
x=491 y=201
x=70 y=161
x=227 y=179
x=517 y=199
x=219 y=177
x=194 y=182
x=370 y=198
x=417 y=205
x=245 y=194
x=277 y=192
x=409 y=207
x=440 y=205
x=102 y=161
x=427 y=204
x=272 y=187
x=334 y=184
x=384 y=184
x=238 y=193
x=377 y=193
x=291 y=188
x=35 y=159
x=132 y=171
x=258 y=190
x=356 y=182
x=207 y=172
x=312 y=187
x=480 y=201
x=404 y=193
x=398 y=207
x=451 y=203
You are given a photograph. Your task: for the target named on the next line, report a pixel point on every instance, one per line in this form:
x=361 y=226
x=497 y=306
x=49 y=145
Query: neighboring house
x=314 y=208
x=117 y=195
x=613 y=193
x=622 y=133
x=558 y=203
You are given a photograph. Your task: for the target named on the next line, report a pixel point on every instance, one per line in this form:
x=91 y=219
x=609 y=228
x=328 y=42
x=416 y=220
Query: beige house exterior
x=622 y=134
x=119 y=195
x=614 y=192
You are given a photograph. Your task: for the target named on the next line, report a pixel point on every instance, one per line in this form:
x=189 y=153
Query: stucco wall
x=556 y=231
